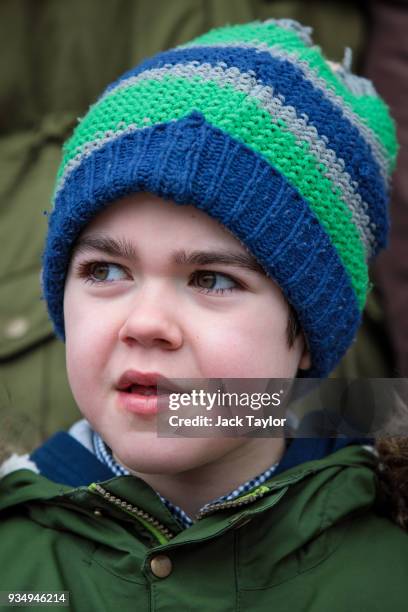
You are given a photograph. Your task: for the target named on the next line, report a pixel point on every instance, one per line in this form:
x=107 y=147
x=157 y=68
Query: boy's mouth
x=145 y=383
x=146 y=390
x=139 y=392
x=138 y=399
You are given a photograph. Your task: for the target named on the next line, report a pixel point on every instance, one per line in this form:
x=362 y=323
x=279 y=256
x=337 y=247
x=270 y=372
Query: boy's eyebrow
x=124 y=248
x=107 y=245
x=228 y=258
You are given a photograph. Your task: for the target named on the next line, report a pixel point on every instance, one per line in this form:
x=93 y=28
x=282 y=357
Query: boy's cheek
x=88 y=324
x=86 y=351
x=81 y=370
x=236 y=352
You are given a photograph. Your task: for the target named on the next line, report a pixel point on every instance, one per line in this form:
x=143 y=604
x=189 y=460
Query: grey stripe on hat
x=379 y=152
x=246 y=82
x=304 y=32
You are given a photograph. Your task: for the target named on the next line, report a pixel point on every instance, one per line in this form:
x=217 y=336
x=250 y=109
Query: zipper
x=253 y=495
x=160 y=532
x=234 y=503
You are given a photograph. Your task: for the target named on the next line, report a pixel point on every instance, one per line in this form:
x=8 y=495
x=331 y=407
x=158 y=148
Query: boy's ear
x=305 y=361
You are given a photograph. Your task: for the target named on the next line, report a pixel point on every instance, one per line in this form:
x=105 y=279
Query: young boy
x=204 y=192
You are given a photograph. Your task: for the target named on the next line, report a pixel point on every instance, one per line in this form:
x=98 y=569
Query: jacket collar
x=306 y=498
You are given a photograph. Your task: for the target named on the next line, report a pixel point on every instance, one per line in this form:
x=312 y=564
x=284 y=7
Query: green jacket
x=310 y=539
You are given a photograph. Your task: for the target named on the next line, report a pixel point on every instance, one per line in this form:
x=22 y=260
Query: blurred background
x=56 y=58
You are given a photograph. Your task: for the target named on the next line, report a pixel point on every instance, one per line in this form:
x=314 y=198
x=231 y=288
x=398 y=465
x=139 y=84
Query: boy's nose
x=152 y=321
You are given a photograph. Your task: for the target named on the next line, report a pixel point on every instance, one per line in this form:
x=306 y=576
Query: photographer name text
x=247 y=420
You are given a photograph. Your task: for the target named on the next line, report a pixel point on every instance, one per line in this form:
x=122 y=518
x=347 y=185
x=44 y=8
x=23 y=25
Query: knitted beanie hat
x=251 y=124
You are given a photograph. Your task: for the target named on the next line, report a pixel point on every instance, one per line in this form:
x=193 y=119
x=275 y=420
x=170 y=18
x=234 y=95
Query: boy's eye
x=103 y=271
x=213 y=281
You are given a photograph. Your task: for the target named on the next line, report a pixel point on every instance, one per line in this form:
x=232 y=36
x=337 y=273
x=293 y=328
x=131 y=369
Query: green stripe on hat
x=372 y=111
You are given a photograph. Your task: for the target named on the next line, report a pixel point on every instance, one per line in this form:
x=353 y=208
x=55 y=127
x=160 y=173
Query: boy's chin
x=160 y=465
x=170 y=456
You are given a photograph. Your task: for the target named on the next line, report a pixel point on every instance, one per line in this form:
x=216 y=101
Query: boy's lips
x=138 y=391
x=147 y=379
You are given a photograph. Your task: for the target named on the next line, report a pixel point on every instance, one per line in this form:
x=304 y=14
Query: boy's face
x=184 y=299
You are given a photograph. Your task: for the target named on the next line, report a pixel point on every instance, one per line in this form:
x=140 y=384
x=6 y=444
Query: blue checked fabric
x=104 y=455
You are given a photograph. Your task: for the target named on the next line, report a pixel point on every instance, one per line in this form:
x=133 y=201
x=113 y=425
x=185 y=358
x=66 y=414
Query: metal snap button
x=161 y=566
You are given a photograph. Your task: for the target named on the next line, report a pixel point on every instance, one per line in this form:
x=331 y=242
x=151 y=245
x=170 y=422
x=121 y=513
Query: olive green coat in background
x=56 y=59
x=311 y=542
